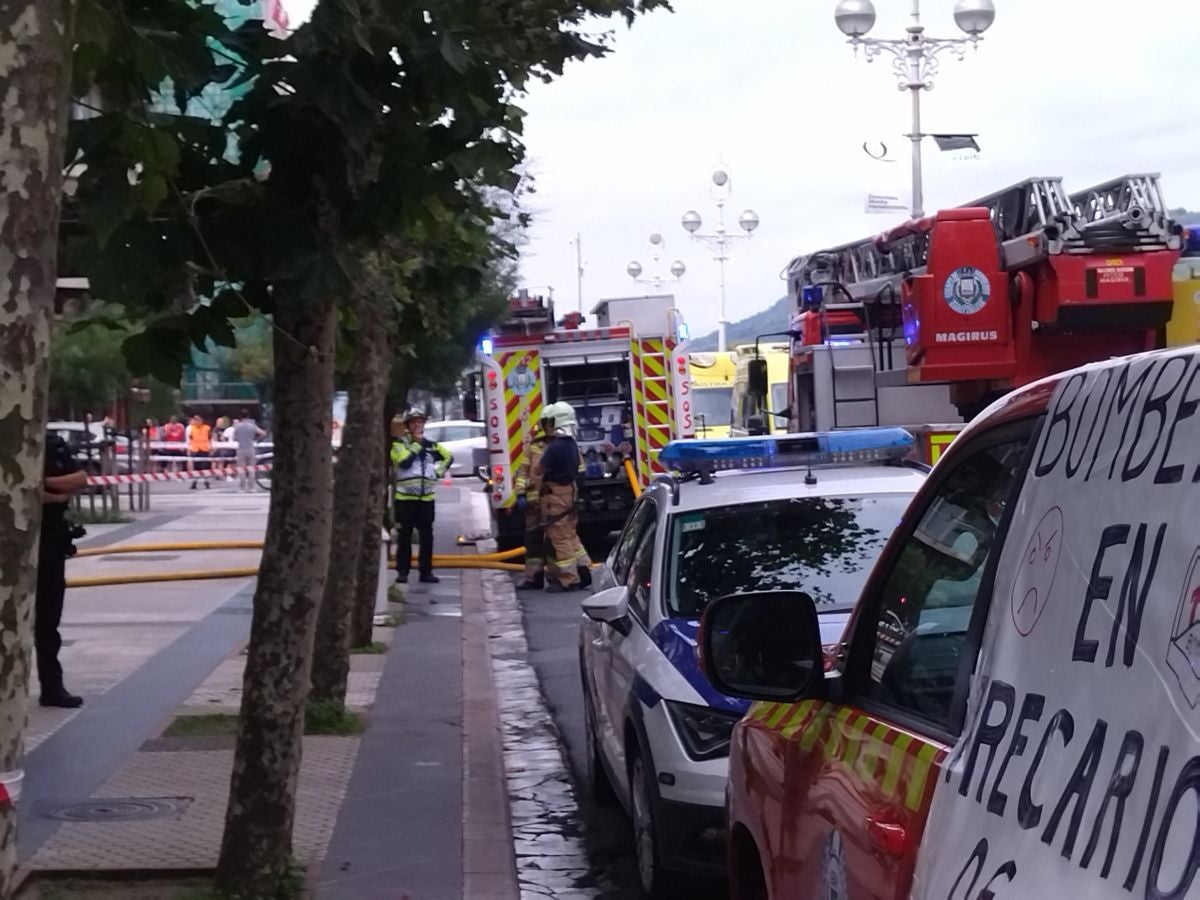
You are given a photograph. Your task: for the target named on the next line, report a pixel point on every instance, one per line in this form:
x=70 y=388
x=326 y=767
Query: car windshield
x=822 y=545
x=711 y=406
x=779 y=399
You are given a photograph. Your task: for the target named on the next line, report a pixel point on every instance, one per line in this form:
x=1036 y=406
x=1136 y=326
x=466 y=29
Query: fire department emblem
x=521 y=381
x=1183 y=653
x=967 y=290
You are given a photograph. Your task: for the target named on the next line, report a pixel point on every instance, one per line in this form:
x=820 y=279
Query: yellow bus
x=712 y=393
x=758 y=413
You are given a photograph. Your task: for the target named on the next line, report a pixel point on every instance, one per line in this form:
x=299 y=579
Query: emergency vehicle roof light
x=486 y=346
x=858 y=445
x=1191 y=240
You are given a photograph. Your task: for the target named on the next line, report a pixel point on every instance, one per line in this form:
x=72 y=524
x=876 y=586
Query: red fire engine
x=950 y=311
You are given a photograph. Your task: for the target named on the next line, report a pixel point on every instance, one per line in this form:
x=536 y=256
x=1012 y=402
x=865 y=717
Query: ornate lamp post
x=914 y=58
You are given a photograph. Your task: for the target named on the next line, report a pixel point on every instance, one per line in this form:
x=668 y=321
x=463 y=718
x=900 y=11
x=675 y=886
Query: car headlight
x=705 y=732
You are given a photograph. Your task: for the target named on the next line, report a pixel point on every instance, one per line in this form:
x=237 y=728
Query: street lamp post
x=720 y=240
x=657 y=245
x=914 y=58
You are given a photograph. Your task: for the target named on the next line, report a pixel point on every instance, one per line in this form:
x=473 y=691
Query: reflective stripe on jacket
x=418 y=468
x=527 y=481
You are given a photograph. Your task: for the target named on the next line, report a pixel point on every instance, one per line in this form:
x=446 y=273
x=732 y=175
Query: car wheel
x=599 y=785
x=656 y=880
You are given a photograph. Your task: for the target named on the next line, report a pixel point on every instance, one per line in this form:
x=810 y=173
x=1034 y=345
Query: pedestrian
x=245 y=433
x=174 y=434
x=62 y=478
x=559 y=468
x=221 y=434
x=419 y=465
x=199 y=444
x=528 y=487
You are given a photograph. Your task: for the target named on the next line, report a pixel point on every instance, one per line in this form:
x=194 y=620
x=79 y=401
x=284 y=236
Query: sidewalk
x=413 y=807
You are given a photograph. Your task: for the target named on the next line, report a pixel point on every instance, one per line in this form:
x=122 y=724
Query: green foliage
x=89 y=372
x=375 y=121
x=375 y=648
x=330 y=717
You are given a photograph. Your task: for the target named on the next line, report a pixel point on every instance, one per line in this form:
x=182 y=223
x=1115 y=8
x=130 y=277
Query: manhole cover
x=139 y=557
x=121 y=809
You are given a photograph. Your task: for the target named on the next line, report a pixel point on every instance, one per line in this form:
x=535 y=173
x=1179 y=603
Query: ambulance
x=712 y=393
x=1014 y=709
x=1184 y=327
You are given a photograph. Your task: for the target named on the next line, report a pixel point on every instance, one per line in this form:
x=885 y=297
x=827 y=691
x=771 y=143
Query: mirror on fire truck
x=763 y=645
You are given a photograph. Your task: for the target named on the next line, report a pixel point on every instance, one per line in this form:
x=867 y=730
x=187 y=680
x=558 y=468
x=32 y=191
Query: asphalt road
x=552 y=632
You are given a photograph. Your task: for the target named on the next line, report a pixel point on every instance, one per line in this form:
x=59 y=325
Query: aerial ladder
x=996 y=293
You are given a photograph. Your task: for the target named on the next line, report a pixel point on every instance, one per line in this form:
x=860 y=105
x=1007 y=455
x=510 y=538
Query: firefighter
x=559 y=470
x=528 y=487
x=419 y=465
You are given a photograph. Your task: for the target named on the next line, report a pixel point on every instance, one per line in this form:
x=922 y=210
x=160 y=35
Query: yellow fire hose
x=449 y=562
x=257 y=545
x=633 y=481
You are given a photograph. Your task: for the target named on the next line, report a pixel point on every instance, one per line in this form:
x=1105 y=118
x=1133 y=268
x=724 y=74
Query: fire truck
x=627 y=379
x=932 y=320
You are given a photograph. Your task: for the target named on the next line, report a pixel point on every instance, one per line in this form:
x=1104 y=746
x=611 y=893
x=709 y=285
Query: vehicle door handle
x=886 y=835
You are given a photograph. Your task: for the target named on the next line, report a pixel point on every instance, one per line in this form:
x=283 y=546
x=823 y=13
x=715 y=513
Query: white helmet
x=562 y=417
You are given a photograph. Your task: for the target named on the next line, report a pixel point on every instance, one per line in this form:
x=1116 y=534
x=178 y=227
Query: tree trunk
x=256 y=848
x=363 y=615
x=35 y=66
x=357 y=458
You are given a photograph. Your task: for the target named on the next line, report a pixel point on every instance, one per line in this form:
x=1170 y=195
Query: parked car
x=460 y=437
x=808 y=509
x=1014 y=711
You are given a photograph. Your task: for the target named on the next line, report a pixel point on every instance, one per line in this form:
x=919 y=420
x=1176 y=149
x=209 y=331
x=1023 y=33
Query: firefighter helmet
x=561 y=416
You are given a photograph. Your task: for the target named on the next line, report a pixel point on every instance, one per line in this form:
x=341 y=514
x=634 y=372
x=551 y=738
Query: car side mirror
x=757 y=377
x=764 y=645
x=609 y=606
x=755 y=426
x=481 y=472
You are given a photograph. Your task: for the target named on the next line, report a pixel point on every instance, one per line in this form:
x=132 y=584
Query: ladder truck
x=628 y=380
x=931 y=321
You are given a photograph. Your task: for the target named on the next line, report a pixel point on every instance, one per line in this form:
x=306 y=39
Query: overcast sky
x=620 y=147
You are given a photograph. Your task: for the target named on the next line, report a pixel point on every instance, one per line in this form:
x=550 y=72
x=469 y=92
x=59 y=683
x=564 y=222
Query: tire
x=657 y=881
x=747 y=880
x=598 y=783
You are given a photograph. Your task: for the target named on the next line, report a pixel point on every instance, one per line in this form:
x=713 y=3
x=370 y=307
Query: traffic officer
x=528 y=488
x=559 y=469
x=419 y=465
x=62 y=478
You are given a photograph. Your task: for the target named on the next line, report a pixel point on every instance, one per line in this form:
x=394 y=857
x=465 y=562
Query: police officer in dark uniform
x=63 y=478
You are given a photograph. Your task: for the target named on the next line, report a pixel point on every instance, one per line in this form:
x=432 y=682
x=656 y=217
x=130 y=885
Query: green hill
x=772 y=319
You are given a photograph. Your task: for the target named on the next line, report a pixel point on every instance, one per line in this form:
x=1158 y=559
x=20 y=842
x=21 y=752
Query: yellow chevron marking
x=920 y=774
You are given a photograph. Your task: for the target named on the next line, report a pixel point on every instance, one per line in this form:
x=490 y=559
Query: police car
x=1015 y=712
x=739 y=514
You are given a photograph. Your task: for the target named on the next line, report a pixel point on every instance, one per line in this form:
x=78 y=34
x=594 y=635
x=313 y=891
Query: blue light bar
x=859 y=445
x=1191 y=240
x=485 y=346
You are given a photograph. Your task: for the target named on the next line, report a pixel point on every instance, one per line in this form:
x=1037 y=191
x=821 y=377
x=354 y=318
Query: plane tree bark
x=35 y=66
x=353 y=505
x=256 y=849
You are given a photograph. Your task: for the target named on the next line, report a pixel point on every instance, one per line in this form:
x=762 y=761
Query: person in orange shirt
x=199 y=443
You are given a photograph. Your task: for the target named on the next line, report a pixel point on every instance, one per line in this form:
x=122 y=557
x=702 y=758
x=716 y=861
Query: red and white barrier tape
x=205 y=474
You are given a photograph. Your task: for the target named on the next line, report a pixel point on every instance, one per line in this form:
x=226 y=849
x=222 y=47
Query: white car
x=807 y=512
x=461 y=437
